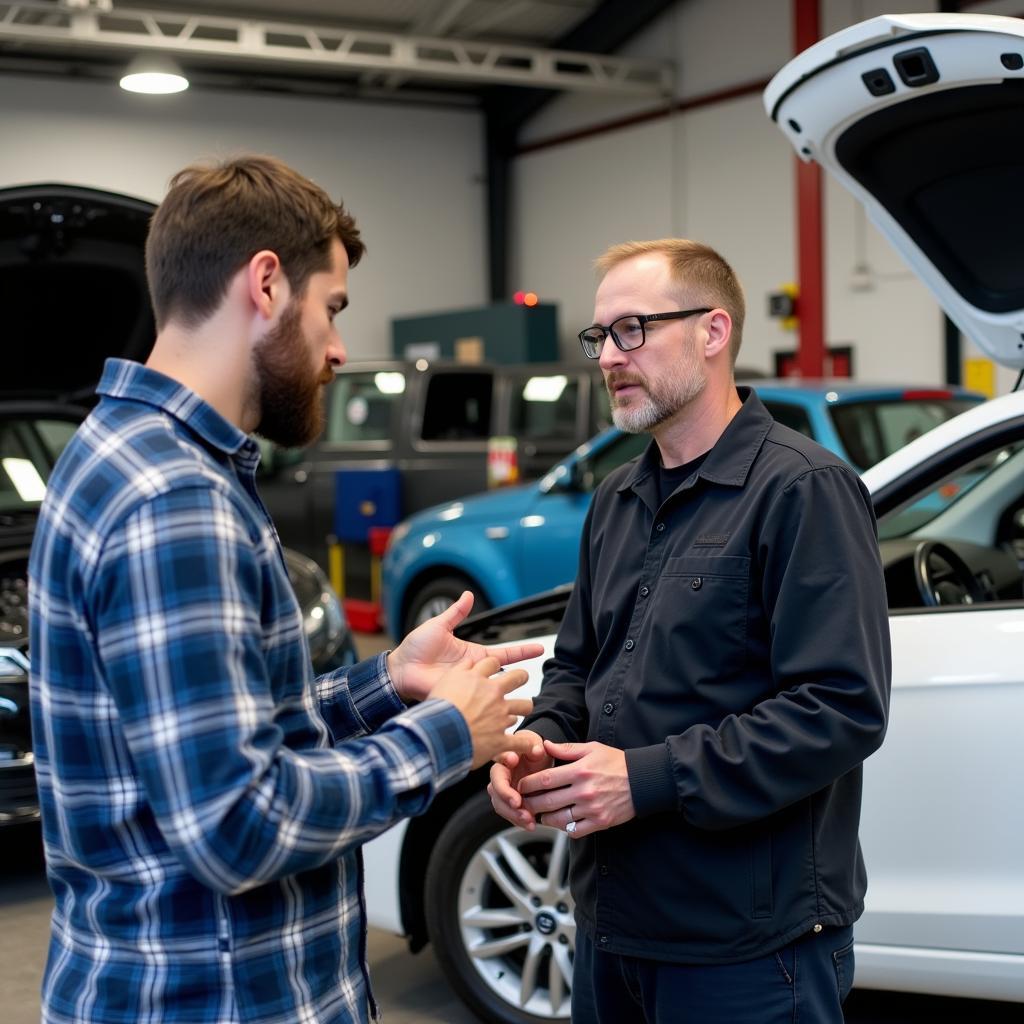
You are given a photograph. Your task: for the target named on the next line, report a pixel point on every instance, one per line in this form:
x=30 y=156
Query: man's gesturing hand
x=432 y=648
x=481 y=696
x=592 y=789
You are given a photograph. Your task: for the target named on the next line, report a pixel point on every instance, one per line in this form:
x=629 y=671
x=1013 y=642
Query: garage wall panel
x=412 y=177
x=729 y=179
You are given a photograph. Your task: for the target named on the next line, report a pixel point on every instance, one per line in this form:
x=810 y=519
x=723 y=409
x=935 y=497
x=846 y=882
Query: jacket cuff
x=651 y=784
x=374 y=697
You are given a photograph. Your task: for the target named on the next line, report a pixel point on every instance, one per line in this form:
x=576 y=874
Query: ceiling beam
x=608 y=27
x=324 y=49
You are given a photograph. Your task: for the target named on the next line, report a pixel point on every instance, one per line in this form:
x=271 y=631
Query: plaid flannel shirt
x=203 y=796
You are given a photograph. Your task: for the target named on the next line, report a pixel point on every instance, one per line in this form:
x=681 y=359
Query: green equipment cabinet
x=501 y=333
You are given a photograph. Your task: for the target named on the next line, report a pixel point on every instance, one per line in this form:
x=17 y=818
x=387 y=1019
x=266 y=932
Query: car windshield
x=29 y=447
x=955 y=505
x=871 y=430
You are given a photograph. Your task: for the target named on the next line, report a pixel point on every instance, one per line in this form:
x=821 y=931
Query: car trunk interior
x=931 y=163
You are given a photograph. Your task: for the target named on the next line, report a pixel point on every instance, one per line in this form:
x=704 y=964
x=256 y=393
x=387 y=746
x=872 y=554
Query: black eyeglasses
x=628 y=332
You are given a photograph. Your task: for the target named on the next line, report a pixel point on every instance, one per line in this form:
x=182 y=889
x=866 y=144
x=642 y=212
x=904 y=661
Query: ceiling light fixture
x=154 y=74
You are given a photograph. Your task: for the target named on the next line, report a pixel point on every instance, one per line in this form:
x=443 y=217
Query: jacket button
x=604 y=869
x=608 y=708
x=660 y=527
x=629 y=645
x=816 y=929
x=697 y=583
x=603 y=940
x=644 y=591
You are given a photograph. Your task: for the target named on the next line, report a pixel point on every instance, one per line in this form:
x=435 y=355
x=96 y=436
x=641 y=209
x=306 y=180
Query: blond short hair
x=701 y=274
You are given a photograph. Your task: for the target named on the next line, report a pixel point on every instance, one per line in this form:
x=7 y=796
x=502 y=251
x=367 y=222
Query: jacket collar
x=729 y=461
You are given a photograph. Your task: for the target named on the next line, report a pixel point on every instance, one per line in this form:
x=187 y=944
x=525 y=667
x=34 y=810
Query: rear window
x=458 y=407
x=544 y=408
x=871 y=430
x=360 y=405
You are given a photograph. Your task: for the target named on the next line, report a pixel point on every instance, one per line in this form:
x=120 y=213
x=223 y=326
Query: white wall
x=411 y=176
x=724 y=174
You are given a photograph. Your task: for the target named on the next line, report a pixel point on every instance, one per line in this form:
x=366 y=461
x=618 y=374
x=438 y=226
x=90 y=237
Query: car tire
x=435 y=596
x=500 y=917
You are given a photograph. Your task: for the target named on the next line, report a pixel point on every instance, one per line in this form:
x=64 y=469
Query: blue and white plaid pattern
x=203 y=797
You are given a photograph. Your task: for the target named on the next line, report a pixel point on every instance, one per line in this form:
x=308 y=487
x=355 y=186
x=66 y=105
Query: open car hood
x=921 y=117
x=72 y=288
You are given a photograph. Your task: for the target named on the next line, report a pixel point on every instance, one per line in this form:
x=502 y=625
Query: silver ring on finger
x=571 y=816
x=570 y=827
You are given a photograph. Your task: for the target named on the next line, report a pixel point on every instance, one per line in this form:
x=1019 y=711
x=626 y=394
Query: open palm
x=432 y=648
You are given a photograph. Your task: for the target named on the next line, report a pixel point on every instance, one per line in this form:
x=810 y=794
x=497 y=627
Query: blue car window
x=597 y=466
x=793 y=416
x=871 y=430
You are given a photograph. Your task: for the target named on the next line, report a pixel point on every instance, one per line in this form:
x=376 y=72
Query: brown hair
x=215 y=218
x=702 y=275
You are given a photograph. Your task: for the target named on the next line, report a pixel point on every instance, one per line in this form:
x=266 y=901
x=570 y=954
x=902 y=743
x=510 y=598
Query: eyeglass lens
x=627 y=332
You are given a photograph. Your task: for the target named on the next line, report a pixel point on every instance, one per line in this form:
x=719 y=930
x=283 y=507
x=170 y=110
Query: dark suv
x=73 y=291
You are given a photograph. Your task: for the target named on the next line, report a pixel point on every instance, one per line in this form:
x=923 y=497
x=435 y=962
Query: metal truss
x=90 y=25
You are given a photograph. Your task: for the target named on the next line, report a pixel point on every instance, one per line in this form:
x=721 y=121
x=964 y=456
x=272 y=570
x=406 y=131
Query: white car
x=922 y=118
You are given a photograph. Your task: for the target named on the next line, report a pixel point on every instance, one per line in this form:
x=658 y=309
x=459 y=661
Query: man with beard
x=203 y=796
x=721 y=673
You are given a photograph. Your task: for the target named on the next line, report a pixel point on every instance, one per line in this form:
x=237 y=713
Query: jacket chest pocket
x=703 y=609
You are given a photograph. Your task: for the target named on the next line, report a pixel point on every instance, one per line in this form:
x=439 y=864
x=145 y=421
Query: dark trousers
x=803 y=983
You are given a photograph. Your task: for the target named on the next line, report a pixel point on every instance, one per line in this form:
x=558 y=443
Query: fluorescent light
x=389 y=382
x=155 y=75
x=545 y=389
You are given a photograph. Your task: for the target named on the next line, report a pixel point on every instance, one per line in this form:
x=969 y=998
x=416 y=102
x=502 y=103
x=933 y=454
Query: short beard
x=290 y=400
x=655 y=408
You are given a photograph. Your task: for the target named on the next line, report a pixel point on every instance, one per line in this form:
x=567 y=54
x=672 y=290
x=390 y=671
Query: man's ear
x=266 y=283
x=719 y=333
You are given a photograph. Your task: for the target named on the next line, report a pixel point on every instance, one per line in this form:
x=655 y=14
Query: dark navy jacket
x=735 y=643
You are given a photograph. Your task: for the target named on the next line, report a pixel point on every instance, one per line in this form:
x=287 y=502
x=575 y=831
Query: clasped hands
x=590 y=789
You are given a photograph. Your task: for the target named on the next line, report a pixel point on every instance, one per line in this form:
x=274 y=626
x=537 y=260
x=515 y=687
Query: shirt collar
x=123 y=378
x=733 y=454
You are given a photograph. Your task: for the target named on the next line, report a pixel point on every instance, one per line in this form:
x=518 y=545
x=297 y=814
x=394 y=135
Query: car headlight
x=397 y=535
x=323 y=620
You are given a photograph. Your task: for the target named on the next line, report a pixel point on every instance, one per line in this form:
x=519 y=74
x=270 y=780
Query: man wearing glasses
x=721 y=673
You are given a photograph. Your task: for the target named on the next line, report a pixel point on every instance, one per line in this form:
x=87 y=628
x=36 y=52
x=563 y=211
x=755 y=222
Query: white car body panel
x=382 y=860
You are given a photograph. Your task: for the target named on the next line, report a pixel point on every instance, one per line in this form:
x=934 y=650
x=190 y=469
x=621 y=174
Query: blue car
x=508 y=544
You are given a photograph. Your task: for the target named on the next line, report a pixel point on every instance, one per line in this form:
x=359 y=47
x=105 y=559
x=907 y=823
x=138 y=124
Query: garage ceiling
x=439 y=51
